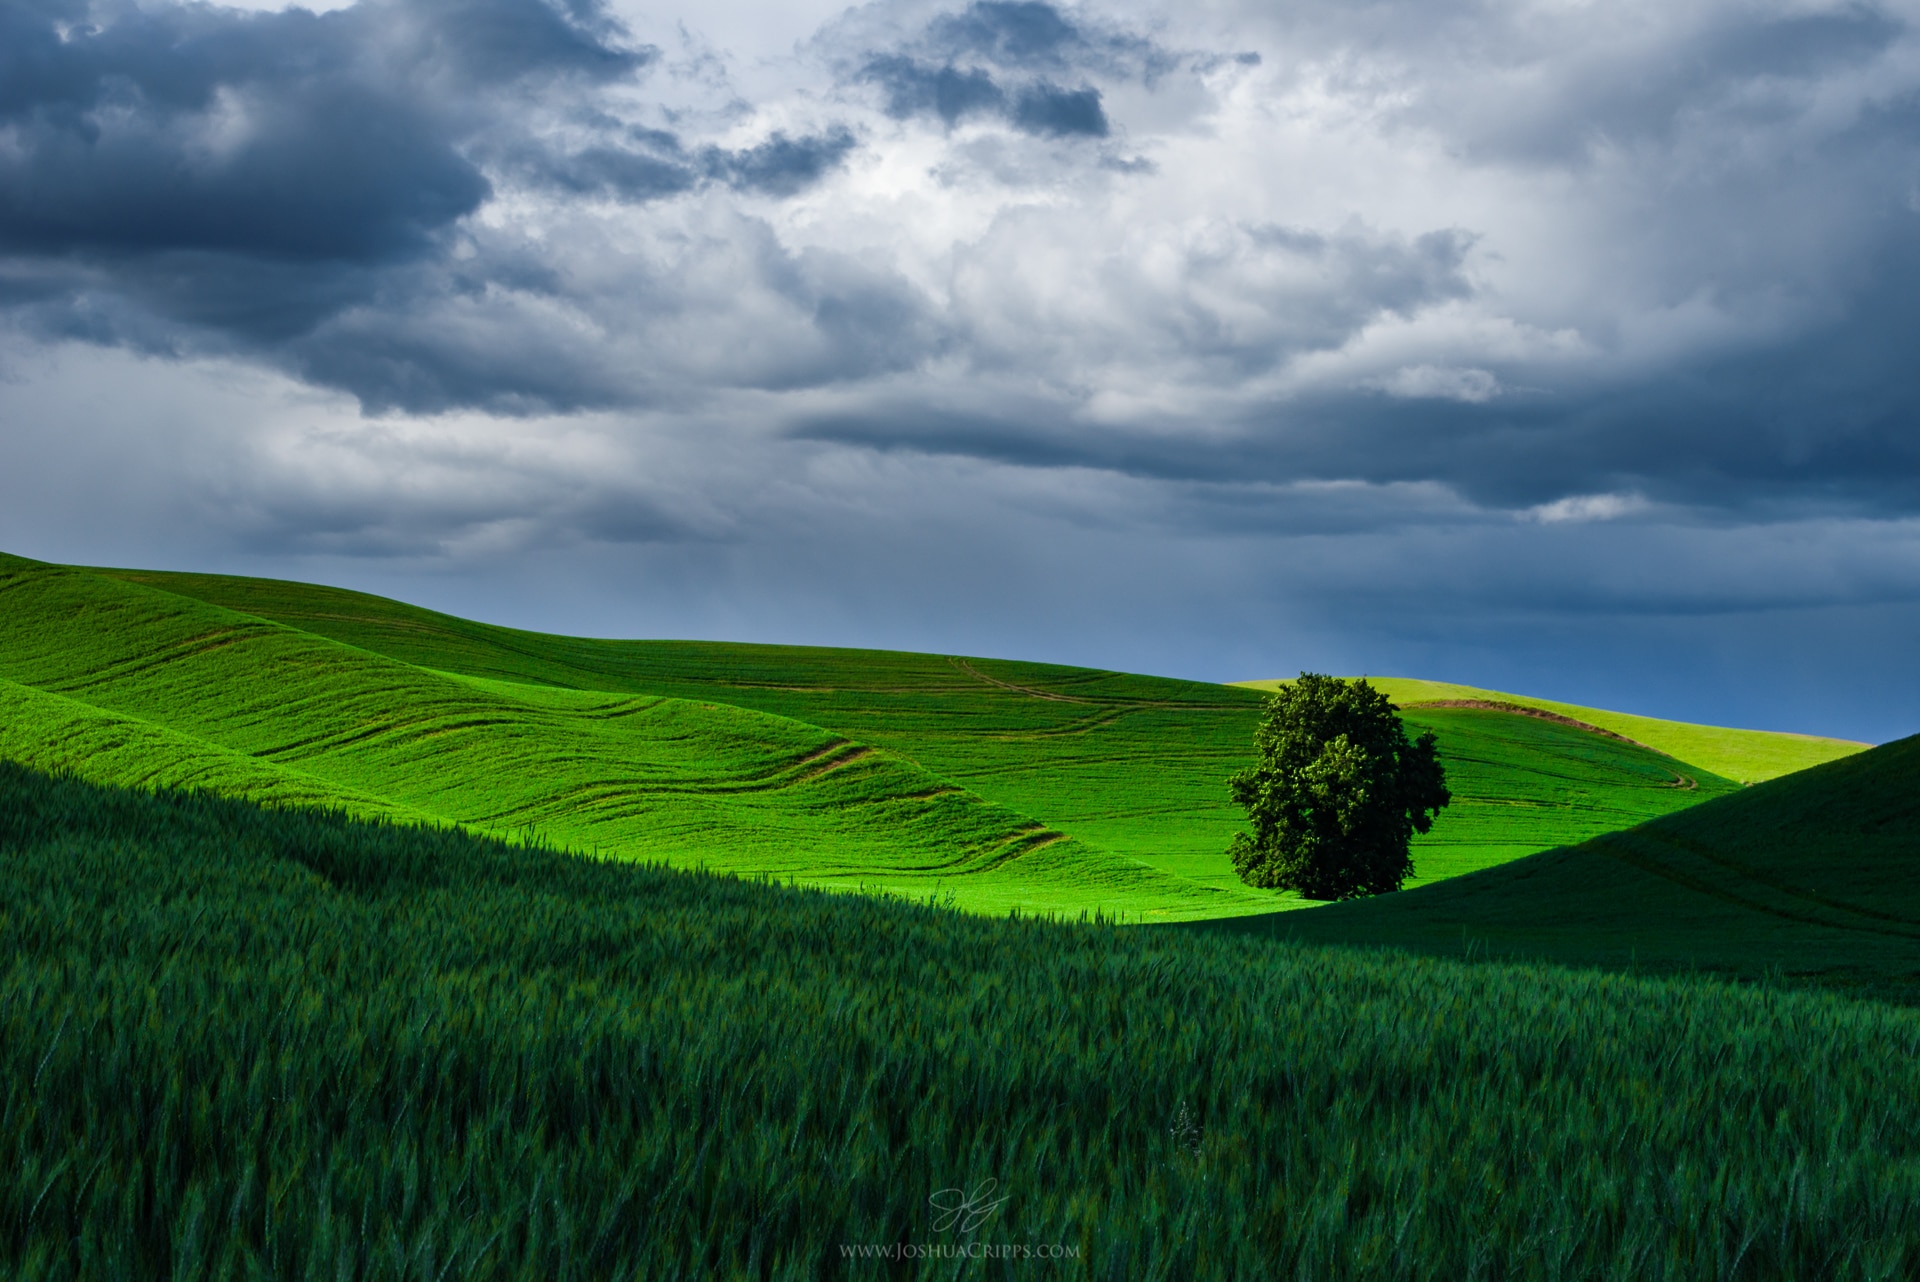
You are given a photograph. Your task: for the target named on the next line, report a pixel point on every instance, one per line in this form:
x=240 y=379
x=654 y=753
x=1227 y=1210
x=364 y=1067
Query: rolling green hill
x=1523 y=784
x=1745 y=756
x=1135 y=765
x=241 y=1043
x=1002 y=784
x=1812 y=876
x=124 y=683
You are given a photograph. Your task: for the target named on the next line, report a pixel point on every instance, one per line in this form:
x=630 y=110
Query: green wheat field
x=345 y=939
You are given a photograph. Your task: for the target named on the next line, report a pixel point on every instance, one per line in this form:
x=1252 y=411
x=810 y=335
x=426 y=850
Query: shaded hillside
x=1814 y=876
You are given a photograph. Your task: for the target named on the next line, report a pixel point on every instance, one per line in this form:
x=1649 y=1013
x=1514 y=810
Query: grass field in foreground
x=1814 y=876
x=1744 y=756
x=247 y=1043
x=1133 y=765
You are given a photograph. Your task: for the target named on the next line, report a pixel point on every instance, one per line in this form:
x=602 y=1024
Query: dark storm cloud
x=1332 y=286
x=914 y=88
x=302 y=189
x=1041 y=39
x=1012 y=35
x=188 y=169
x=1012 y=61
x=1040 y=107
x=1825 y=422
x=286 y=134
x=1761 y=180
x=639 y=165
x=1048 y=109
x=1829 y=426
x=781 y=166
x=186 y=178
x=646 y=165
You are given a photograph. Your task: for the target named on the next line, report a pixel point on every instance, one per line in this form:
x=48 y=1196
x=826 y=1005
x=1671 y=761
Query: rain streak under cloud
x=1562 y=348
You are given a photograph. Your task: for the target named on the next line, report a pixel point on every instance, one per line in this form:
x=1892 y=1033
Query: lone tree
x=1338 y=794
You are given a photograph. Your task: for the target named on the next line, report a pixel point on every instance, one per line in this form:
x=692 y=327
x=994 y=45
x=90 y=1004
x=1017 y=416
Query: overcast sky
x=1561 y=347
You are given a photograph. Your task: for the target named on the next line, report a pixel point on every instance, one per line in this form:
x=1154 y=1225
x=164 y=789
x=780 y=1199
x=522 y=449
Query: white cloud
x=1582 y=508
x=1439 y=382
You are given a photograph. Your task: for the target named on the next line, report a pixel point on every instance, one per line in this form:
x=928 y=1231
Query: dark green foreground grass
x=241 y=1042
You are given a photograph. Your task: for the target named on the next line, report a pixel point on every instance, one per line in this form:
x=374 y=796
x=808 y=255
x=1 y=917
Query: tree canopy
x=1338 y=793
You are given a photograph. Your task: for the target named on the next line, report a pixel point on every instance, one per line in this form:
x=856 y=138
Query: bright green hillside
x=1133 y=764
x=1746 y=756
x=1815 y=875
x=124 y=683
x=1001 y=783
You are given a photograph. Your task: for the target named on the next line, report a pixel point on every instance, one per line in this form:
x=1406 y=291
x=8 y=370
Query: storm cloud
x=1027 y=64
x=1443 y=336
x=290 y=135
x=310 y=188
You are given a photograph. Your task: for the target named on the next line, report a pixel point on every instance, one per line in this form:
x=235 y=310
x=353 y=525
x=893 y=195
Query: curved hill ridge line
x=1496 y=705
x=974 y=672
x=824 y=764
x=1117 y=705
x=1745 y=756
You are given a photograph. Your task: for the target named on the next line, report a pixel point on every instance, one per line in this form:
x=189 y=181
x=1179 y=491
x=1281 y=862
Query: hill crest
x=1745 y=756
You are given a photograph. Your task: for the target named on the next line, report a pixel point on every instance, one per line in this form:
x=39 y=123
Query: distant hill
x=1745 y=756
x=1813 y=876
x=1133 y=764
x=999 y=784
x=125 y=683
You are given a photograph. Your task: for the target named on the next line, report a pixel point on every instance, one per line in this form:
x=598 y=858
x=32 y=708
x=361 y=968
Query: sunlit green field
x=243 y=1043
x=991 y=784
x=1745 y=756
x=127 y=684
x=1135 y=765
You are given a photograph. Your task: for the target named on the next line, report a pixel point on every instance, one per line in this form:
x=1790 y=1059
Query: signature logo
x=966 y=1210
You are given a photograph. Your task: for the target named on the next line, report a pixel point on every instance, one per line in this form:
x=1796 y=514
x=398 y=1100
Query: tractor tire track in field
x=1702 y=882
x=152 y=660
x=1122 y=705
x=1017 y=844
x=1686 y=783
x=833 y=759
x=1700 y=850
x=974 y=672
x=1519 y=709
